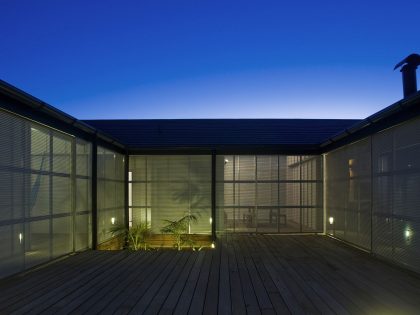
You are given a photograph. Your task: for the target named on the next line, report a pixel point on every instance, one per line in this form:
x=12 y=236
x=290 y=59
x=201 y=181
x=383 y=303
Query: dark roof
x=205 y=133
x=294 y=136
x=403 y=110
x=32 y=107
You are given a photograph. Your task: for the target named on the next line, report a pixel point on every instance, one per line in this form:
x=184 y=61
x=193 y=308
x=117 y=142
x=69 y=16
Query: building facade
x=64 y=183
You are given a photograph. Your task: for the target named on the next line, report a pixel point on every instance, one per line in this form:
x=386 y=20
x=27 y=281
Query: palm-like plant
x=179 y=229
x=136 y=235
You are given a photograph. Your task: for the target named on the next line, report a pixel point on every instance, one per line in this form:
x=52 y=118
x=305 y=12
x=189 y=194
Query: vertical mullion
x=189 y=192
x=94 y=194
x=234 y=193
x=73 y=162
x=126 y=170
x=255 y=214
x=392 y=179
x=146 y=192
x=371 y=194
x=27 y=159
x=50 y=189
x=213 y=195
x=278 y=193
x=300 y=191
x=324 y=192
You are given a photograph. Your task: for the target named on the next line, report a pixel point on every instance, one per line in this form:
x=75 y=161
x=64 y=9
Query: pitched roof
x=193 y=133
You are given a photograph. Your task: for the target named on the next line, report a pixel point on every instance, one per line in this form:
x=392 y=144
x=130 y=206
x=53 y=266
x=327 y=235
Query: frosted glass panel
x=110 y=192
x=171 y=187
x=11 y=249
x=37 y=242
x=83 y=226
x=37 y=194
x=349 y=193
x=62 y=236
x=268 y=193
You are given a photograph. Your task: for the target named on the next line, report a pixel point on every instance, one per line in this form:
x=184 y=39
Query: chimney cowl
x=408 y=69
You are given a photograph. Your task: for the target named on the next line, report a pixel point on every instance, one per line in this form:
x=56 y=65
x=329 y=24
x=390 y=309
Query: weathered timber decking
x=259 y=274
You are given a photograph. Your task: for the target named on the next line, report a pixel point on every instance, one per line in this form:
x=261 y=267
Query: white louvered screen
x=37 y=194
x=269 y=194
x=396 y=198
x=83 y=182
x=349 y=193
x=170 y=187
x=110 y=192
x=383 y=211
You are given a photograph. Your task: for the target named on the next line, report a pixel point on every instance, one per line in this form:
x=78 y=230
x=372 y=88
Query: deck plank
x=171 y=301
x=92 y=291
x=152 y=287
x=197 y=303
x=185 y=299
x=224 y=306
x=141 y=286
x=251 y=302
x=245 y=274
x=81 y=282
x=158 y=300
x=116 y=294
x=113 y=302
x=30 y=285
x=236 y=292
x=260 y=292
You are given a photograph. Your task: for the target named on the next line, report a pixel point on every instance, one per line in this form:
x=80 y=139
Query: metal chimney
x=408 y=70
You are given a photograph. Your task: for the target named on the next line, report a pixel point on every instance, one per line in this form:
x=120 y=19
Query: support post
x=94 y=194
x=213 y=196
x=73 y=190
x=126 y=205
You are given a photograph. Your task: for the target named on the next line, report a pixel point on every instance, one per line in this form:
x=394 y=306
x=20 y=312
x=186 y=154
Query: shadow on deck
x=244 y=274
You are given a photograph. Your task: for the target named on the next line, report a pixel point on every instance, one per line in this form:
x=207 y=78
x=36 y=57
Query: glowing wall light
x=408 y=233
x=211 y=220
x=213 y=245
x=20 y=238
x=112 y=220
x=331 y=220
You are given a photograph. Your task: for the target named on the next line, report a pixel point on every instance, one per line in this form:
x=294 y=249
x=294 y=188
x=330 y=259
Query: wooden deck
x=257 y=274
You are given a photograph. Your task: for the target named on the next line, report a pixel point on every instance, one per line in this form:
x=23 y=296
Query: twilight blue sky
x=209 y=58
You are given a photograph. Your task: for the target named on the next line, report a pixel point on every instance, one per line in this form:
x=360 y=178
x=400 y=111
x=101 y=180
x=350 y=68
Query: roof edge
x=375 y=119
x=53 y=112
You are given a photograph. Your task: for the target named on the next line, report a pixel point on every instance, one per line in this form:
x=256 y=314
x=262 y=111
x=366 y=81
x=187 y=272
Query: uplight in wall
x=112 y=220
x=331 y=220
x=408 y=233
x=211 y=220
x=213 y=245
x=20 y=238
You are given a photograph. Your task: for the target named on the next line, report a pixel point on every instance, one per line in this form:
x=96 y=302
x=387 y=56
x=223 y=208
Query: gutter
x=374 y=119
x=51 y=111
